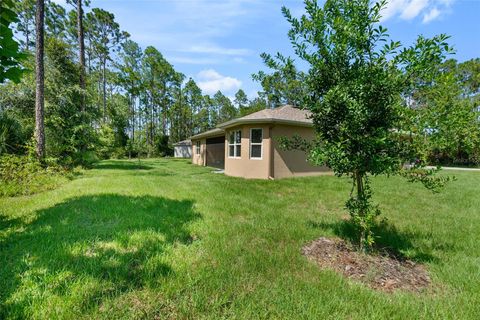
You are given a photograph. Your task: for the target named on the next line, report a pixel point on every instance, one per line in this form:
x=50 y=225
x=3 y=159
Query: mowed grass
x=167 y=239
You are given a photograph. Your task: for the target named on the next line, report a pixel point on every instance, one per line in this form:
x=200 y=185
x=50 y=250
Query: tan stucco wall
x=199 y=159
x=292 y=163
x=244 y=166
x=275 y=163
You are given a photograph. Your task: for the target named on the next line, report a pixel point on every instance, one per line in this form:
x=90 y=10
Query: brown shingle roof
x=183 y=143
x=285 y=114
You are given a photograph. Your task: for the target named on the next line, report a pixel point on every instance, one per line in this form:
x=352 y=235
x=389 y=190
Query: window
x=235 y=144
x=197 y=147
x=256 y=138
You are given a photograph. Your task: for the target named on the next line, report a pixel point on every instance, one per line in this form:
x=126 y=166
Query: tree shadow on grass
x=389 y=240
x=91 y=248
x=122 y=165
x=6 y=223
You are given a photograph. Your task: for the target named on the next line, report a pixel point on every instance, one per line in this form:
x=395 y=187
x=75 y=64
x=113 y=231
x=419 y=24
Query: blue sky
x=218 y=42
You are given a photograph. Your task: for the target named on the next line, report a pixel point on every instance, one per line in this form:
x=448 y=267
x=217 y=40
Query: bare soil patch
x=379 y=271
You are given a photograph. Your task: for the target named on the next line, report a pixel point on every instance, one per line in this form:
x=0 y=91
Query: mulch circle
x=379 y=271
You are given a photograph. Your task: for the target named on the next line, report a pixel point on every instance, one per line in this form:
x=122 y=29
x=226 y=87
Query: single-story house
x=183 y=149
x=248 y=147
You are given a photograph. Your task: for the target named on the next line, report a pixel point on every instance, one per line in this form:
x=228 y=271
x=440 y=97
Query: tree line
x=78 y=83
x=83 y=88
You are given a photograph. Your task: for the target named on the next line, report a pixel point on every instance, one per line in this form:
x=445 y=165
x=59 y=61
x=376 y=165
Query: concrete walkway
x=457 y=168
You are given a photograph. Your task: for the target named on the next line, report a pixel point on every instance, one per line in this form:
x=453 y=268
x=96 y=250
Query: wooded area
x=87 y=234
x=105 y=96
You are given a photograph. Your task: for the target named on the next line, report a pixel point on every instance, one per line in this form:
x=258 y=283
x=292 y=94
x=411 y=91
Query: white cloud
x=410 y=9
x=191 y=60
x=192 y=32
x=431 y=15
x=413 y=9
x=210 y=81
x=214 y=49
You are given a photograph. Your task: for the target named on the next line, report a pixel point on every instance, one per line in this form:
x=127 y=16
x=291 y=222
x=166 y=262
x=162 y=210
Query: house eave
x=237 y=122
x=208 y=135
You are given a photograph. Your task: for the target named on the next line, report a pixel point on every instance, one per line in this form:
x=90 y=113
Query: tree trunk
x=164 y=120
x=104 y=88
x=81 y=51
x=152 y=136
x=40 y=80
x=360 y=196
x=133 y=118
x=27 y=36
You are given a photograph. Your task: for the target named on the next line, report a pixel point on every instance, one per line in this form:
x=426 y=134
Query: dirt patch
x=378 y=271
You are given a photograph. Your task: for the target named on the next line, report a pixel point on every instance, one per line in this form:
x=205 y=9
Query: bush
x=11 y=134
x=164 y=149
x=118 y=153
x=87 y=158
x=22 y=175
x=106 y=143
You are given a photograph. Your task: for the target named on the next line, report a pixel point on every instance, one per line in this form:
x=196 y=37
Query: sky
x=218 y=42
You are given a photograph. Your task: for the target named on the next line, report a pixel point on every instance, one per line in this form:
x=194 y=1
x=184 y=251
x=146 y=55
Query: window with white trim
x=235 y=144
x=256 y=143
x=197 y=147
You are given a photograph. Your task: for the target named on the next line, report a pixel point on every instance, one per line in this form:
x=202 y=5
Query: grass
x=166 y=239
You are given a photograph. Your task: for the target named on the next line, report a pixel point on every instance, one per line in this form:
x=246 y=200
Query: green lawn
x=166 y=239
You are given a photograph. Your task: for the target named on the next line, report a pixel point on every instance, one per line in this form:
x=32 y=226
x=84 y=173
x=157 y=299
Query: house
x=248 y=147
x=182 y=149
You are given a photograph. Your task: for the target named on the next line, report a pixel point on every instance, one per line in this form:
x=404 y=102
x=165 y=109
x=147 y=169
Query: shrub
x=87 y=158
x=118 y=153
x=23 y=175
x=164 y=148
x=11 y=134
x=106 y=143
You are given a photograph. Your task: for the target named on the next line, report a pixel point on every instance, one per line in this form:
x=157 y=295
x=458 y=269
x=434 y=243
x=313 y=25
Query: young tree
x=40 y=79
x=354 y=90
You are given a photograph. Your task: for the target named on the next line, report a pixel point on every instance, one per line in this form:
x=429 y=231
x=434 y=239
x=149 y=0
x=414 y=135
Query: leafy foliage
x=10 y=54
x=285 y=85
x=447 y=112
x=124 y=100
x=24 y=175
x=11 y=134
x=355 y=85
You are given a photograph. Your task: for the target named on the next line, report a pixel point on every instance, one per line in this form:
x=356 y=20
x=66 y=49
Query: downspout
x=204 y=153
x=271 y=154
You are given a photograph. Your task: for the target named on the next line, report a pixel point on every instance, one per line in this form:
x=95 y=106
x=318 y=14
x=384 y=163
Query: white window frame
x=256 y=144
x=197 y=147
x=235 y=144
